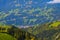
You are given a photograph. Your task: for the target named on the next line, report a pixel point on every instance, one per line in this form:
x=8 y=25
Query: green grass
x=4 y=36
x=55 y=24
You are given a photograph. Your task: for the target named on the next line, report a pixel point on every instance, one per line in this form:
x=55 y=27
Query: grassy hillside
x=55 y=24
x=4 y=36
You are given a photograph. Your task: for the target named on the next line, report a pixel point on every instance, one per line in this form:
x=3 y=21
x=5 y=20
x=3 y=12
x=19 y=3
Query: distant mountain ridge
x=30 y=13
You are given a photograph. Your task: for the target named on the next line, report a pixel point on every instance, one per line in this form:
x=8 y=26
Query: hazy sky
x=54 y=1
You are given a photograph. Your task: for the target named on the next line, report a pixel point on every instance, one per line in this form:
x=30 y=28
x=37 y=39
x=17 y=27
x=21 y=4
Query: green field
x=4 y=36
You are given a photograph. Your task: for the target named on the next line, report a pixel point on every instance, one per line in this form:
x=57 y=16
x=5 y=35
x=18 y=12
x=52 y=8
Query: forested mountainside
x=9 y=32
x=47 y=31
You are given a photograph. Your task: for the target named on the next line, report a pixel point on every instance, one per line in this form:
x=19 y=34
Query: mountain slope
x=46 y=31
